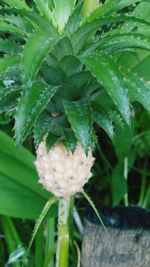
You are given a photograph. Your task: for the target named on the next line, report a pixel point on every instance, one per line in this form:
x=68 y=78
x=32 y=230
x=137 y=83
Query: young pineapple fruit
x=61 y=171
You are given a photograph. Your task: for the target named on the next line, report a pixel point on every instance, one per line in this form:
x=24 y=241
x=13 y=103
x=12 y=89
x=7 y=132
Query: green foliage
x=103 y=69
x=11 y=29
x=142 y=68
x=109 y=7
x=122 y=141
x=56 y=42
x=35 y=51
x=103 y=118
x=119 y=184
x=45 y=124
x=89 y=6
x=17 y=4
x=8 y=62
x=44 y=212
x=62 y=11
x=80 y=117
x=44 y=8
x=21 y=196
x=8 y=102
x=30 y=106
x=7 y=46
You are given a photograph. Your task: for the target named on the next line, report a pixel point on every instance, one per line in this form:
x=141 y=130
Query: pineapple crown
x=69 y=66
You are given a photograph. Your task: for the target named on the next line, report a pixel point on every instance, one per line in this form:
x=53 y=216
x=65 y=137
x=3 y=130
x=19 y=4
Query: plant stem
x=126 y=200
x=146 y=201
x=63 y=233
x=50 y=243
x=39 y=255
x=143 y=185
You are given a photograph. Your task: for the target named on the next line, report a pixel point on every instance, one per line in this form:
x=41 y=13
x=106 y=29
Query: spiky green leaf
x=41 y=217
x=19 y=4
x=118 y=43
x=9 y=28
x=52 y=75
x=74 y=21
x=9 y=46
x=63 y=48
x=88 y=30
x=71 y=65
x=90 y=201
x=30 y=106
x=142 y=11
x=44 y=8
x=103 y=118
x=19 y=21
x=51 y=140
x=42 y=127
x=106 y=73
x=36 y=49
x=80 y=116
x=109 y=7
x=8 y=62
x=45 y=124
x=8 y=102
x=38 y=22
x=70 y=140
x=138 y=89
x=62 y=11
x=142 y=68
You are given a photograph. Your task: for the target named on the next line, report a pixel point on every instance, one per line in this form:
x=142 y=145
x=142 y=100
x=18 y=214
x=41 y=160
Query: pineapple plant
x=62 y=76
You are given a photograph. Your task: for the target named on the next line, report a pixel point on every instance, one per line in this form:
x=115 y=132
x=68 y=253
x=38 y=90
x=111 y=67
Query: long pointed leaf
x=44 y=212
x=120 y=42
x=80 y=117
x=9 y=28
x=142 y=11
x=103 y=119
x=106 y=72
x=8 y=62
x=142 y=68
x=39 y=23
x=44 y=8
x=95 y=210
x=88 y=30
x=36 y=49
x=138 y=89
x=8 y=46
x=30 y=106
x=109 y=7
x=19 y=21
x=45 y=124
x=19 y=4
x=74 y=20
x=63 y=9
x=21 y=195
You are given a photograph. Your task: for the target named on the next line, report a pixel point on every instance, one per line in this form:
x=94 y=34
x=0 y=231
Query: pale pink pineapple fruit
x=62 y=172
